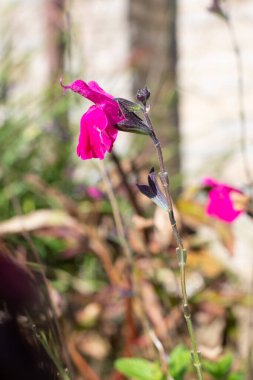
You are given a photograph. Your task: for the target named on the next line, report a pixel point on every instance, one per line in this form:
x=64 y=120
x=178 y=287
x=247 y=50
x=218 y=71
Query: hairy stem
x=181 y=251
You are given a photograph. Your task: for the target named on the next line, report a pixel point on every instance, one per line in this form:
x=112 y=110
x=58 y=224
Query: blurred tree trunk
x=56 y=46
x=55 y=37
x=154 y=59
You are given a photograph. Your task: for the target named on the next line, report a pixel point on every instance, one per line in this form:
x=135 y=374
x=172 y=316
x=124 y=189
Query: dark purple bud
x=132 y=126
x=130 y=106
x=142 y=95
x=152 y=181
x=132 y=122
x=153 y=191
x=145 y=190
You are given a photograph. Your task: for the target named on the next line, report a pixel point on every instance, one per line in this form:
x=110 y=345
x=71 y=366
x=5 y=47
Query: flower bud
x=153 y=191
x=131 y=122
x=142 y=95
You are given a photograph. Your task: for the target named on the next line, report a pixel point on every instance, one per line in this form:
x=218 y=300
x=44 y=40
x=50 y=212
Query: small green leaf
x=218 y=369
x=179 y=362
x=236 y=376
x=138 y=369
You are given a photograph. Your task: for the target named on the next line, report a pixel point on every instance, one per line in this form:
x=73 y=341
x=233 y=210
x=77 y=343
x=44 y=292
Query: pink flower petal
x=96 y=88
x=94 y=139
x=95 y=193
x=91 y=91
x=208 y=181
x=220 y=204
x=211 y=182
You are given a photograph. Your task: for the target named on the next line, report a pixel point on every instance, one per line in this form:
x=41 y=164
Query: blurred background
x=54 y=207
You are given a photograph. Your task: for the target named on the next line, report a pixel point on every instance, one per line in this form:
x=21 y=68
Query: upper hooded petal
x=211 y=182
x=91 y=91
x=94 y=86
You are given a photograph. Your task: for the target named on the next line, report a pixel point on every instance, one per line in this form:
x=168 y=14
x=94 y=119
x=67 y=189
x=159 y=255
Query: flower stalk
x=181 y=251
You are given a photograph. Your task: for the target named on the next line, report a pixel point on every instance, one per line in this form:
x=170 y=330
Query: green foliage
x=49 y=247
x=138 y=369
x=179 y=362
x=236 y=376
x=218 y=369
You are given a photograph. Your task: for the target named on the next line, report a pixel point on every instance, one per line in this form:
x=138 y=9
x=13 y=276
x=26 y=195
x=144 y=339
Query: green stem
x=181 y=251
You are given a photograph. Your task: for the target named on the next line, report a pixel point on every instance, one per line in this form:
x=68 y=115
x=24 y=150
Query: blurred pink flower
x=97 y=131
x=94 y=193
x=220 y=203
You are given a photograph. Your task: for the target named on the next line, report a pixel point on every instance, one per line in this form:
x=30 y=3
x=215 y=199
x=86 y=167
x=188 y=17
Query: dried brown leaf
x=206 y=263
x=39 y=219
x=93 y=345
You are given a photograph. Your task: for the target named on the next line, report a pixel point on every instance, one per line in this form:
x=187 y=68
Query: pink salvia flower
x=97 y=131
x=220 y=204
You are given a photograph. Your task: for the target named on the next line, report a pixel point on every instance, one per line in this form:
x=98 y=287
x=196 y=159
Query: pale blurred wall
x=24 y=37
x=210 y=129
x=208 y=83
x=104 y=29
